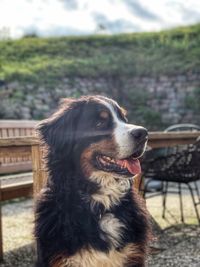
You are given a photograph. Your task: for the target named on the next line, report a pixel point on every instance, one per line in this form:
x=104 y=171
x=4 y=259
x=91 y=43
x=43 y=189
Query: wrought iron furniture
x=179 y=164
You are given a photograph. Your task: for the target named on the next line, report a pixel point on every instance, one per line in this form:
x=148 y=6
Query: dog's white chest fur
x=112 y=190
x=113 y=229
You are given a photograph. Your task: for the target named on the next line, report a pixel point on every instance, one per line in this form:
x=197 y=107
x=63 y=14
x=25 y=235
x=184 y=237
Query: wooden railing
x=12 y=129
x=30 y=146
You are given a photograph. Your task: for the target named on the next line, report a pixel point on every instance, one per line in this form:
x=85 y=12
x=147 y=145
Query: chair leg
x=145 y=187
x=197 y=189
x=1 y=236
x=194 y=203
x=141 y=186
x=165 y=188
x=181 y=202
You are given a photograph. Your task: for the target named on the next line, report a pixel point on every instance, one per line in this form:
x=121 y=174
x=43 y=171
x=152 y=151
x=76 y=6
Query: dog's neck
x=105 y=189
x=111 y=189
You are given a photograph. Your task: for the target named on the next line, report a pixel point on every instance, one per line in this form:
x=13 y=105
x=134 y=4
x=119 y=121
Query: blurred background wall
x=53 y=49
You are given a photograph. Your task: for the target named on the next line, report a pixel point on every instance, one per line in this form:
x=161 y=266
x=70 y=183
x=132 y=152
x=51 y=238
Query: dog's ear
x=58 y=132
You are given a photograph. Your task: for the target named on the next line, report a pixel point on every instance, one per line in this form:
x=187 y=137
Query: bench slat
x=17 y=124
x=12 y=159
x=17 y=190
x=16 y=168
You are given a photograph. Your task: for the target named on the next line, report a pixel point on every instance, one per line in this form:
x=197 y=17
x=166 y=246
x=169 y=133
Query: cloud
x=29 y=30
x=52 y=31
x=114 y=26
x=139 y=10
x=70 y=4
x=189 y=15
x=68 y=17
x=63 y=30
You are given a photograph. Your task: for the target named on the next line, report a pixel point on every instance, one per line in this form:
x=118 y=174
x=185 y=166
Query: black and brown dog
x=88 y=215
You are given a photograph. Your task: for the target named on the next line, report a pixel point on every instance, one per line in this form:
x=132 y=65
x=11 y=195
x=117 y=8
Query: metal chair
x=180 y=164
x=182 y=127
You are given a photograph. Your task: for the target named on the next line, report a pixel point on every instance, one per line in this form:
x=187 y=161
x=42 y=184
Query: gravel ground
x=17 y=234
x=179 y=245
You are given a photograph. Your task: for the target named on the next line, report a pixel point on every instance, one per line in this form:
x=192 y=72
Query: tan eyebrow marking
x=104 y=114
x=123 y=111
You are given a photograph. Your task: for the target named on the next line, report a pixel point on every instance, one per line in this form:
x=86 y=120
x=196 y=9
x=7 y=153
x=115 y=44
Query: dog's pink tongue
x=133 y=165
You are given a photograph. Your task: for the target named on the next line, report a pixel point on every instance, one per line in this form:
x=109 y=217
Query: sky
x=81 y=17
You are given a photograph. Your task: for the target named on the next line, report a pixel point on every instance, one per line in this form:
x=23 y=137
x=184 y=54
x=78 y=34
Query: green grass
x=47 y=60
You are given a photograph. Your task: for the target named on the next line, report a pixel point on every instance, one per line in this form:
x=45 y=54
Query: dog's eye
x=103 y=118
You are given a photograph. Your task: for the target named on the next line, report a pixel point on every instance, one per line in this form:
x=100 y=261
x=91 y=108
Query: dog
x=88 y=214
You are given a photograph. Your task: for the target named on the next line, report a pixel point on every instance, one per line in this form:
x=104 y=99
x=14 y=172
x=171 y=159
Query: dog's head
x=92 y=135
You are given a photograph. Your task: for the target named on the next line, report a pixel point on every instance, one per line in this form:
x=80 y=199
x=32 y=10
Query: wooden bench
x=16 y=128
x=11 y=163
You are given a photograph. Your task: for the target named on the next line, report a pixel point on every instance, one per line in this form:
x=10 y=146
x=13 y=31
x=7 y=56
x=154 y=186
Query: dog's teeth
x=102 y=160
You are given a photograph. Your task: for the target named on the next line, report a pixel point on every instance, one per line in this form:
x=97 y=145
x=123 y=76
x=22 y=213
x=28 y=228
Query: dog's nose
x=139 y=133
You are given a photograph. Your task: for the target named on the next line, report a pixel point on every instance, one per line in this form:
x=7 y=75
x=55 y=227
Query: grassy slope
x=47 y=60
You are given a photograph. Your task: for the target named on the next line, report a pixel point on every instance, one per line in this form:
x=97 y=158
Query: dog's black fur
x=65 y=220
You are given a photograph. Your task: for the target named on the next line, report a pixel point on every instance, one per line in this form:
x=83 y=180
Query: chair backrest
x=178 y=166
x=182 y=127
x=178 y=128
x=164 y=151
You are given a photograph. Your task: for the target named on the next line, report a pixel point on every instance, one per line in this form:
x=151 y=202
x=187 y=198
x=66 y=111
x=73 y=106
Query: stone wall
x=154 y=101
